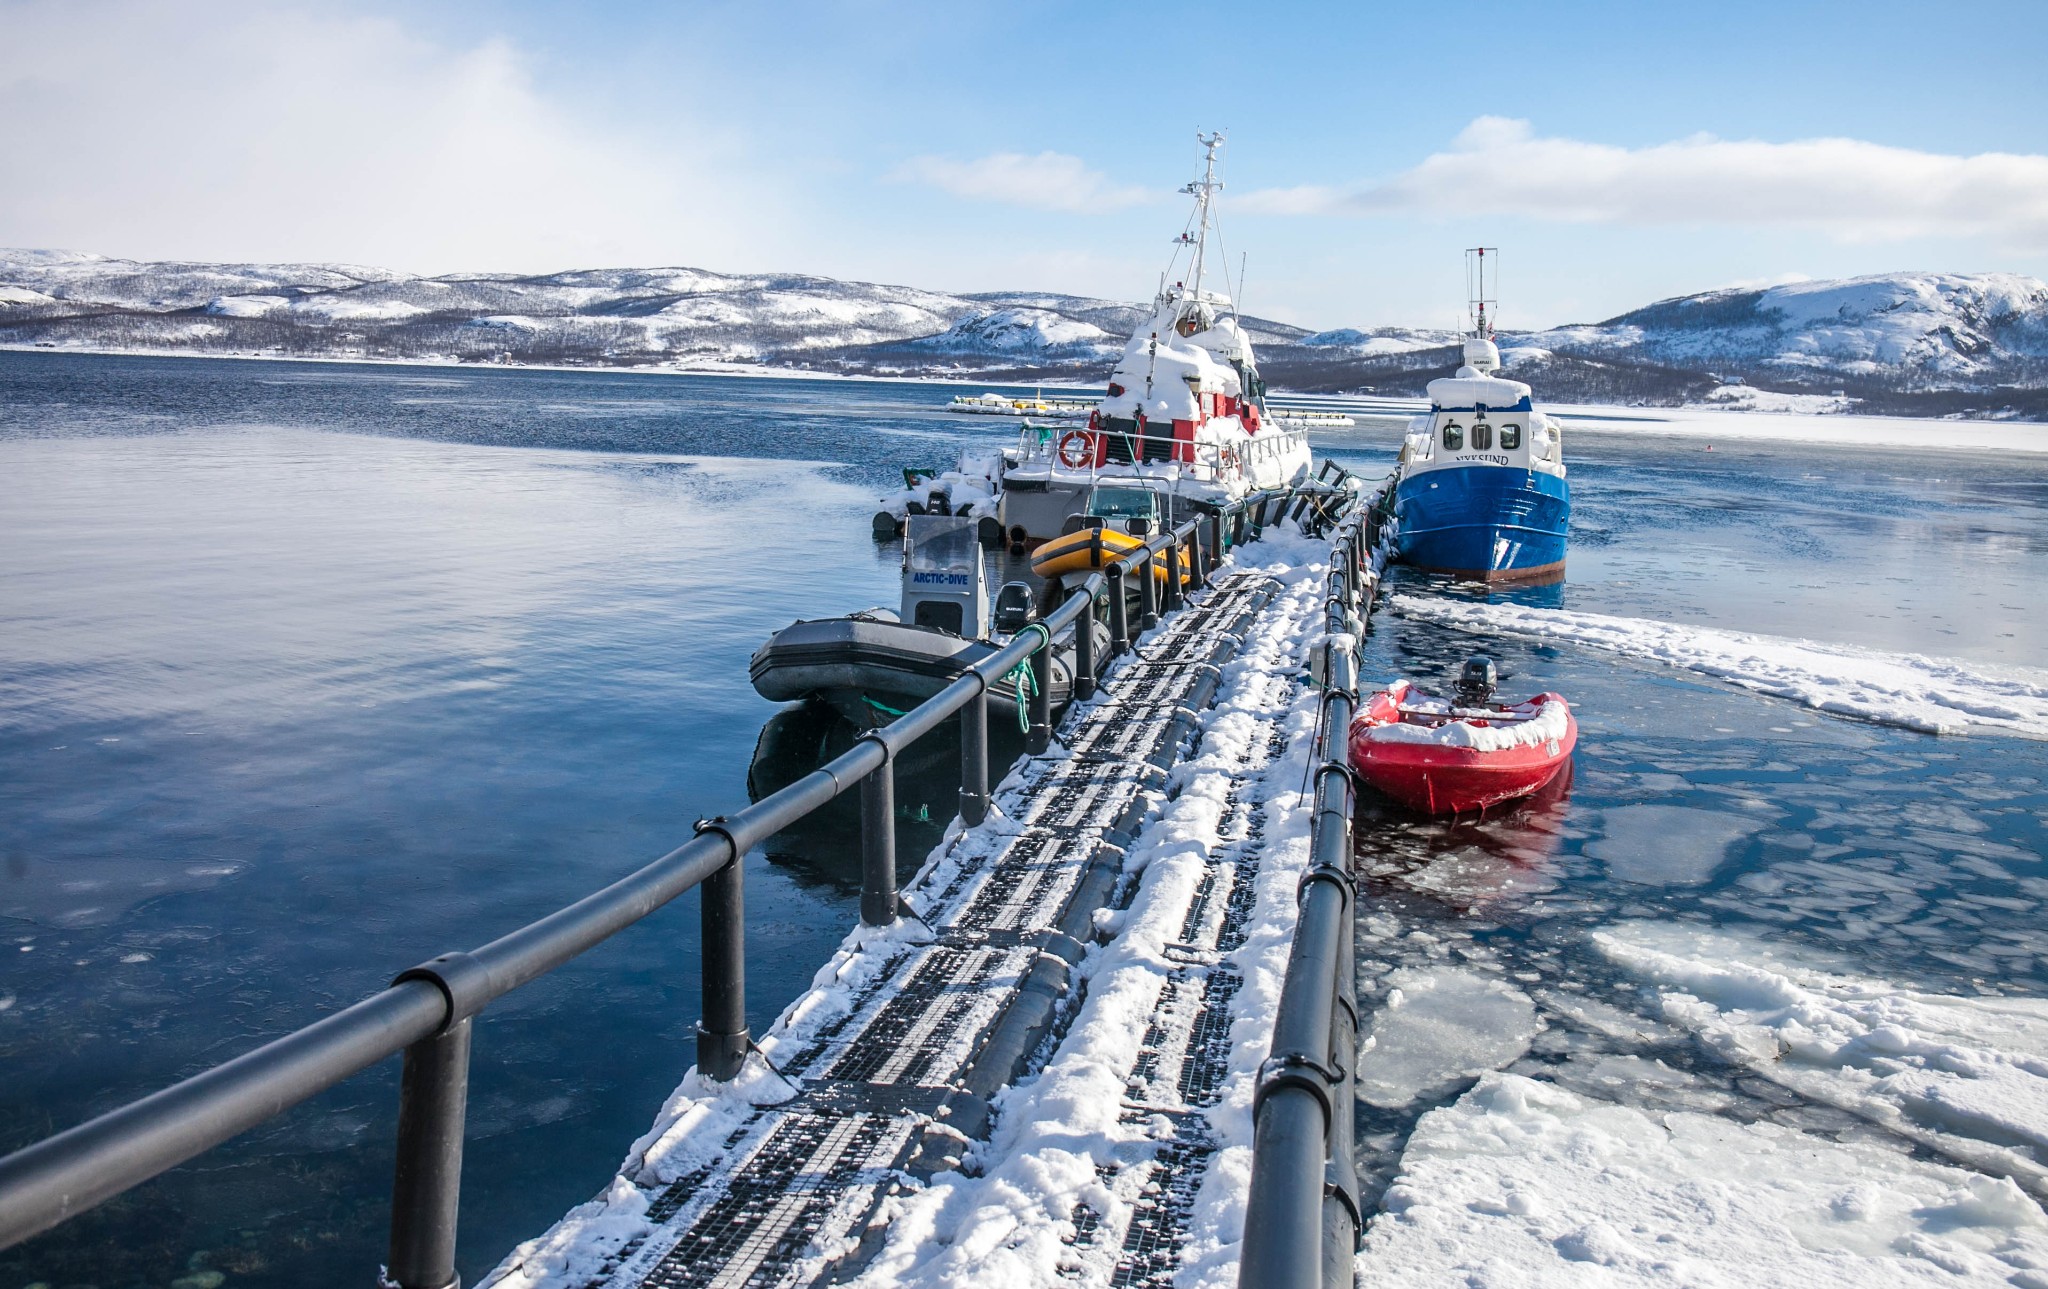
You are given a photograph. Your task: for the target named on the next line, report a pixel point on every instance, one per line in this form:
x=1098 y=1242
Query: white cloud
x=287 y=131
x=1048 y=181
x=1849 y=189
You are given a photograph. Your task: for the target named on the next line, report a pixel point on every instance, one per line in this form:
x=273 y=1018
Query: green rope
x=1026 y=683
x=880 y=707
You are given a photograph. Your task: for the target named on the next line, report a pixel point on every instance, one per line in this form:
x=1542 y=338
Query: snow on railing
x=1303 y=1217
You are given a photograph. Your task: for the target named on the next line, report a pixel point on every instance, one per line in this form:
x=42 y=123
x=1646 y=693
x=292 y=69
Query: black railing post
x=722 y=1036
x=1340 y=1179
x=1198 y=558
x=1119 y=612
x=878 y=845
x=1216 y=542
x=1039 y=737
x=426 y=1187
x=1084 y=648
x=1148 y=594
x=974 y=760
x=1170 y=599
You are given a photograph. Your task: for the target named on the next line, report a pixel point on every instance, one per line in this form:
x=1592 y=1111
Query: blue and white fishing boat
x=1482 y=491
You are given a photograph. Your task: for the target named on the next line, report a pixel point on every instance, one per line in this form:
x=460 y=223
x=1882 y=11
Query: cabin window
x=1454 y=437
x=1482 y=436
x=1510 y=437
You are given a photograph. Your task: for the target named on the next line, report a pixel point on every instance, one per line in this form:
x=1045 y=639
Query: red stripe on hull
x=1540 y=575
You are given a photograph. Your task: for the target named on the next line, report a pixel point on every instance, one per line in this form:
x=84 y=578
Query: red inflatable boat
x=1444 y=757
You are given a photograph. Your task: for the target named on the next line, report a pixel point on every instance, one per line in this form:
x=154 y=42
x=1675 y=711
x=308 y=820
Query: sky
x=1616 y=153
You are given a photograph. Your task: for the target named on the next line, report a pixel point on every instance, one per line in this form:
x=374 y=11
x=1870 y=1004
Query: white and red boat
x=1448 y=756
x=1185 y=412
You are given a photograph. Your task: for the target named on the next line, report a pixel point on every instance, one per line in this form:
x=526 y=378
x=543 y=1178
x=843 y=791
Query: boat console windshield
x=944 y=584
x=1118 y=507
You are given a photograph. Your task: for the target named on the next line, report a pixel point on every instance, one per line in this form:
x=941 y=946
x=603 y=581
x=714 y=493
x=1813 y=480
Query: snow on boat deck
x=839 y=1151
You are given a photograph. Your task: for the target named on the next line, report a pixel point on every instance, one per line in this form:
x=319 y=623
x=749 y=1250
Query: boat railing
x=1211 y=461
x=427 y=1011
x=1303 y=1215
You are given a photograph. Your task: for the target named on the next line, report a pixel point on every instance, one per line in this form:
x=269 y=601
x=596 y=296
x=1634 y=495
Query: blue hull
x=1497 y=523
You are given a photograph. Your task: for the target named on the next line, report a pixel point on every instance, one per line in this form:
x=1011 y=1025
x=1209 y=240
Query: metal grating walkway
x=898 y=1086
x=1184 y=1058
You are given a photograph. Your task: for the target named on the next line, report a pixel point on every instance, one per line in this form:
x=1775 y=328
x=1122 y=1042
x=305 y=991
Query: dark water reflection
x=308 y=673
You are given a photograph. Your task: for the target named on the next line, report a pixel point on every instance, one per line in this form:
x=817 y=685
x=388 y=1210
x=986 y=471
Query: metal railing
x=1302 y=1218
x=1208 y=461
x=426 y=1012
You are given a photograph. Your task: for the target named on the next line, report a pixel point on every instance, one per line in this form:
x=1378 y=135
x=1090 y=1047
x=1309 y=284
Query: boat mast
x=1476 y=289
x=1204 y=191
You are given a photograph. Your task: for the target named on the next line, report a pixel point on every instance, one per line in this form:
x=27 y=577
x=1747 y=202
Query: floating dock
x=884 y=1074
x=1137 y=851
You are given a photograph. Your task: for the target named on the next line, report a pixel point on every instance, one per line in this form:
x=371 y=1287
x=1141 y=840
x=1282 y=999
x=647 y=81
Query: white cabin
x=1476 y=418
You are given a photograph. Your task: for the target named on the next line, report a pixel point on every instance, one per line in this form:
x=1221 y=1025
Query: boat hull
x=870 y=670
x=1438 y=779
x=1485 y=522
x=1082 y=552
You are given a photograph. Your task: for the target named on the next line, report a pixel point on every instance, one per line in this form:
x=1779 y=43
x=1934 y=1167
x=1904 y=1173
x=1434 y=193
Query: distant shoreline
x=1848 y=430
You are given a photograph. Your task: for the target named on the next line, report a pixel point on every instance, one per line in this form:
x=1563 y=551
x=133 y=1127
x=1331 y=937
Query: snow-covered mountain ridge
x=1891 y=336
x=1947 y=324
x=1928 y=325
x=631 y=316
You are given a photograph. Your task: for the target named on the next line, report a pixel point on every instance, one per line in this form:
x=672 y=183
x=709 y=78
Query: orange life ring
x=1077 y=449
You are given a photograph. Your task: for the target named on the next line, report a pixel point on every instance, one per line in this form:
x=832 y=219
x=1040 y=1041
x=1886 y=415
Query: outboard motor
x=1476 y=682
x=943 y=582
x=1013 y=607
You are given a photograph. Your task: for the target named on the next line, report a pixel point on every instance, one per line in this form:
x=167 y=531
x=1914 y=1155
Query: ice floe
x=1934 y=695
x=1967 y=1076
x=1438 y=1024
x=1654 y=845
x=1522 y=1183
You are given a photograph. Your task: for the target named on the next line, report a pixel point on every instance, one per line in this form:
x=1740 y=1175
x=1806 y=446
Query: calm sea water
x=310 y=672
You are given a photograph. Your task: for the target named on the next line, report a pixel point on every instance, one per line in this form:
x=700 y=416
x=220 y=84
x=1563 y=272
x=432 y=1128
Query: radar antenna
x=1204 y=192
x=1480 y=284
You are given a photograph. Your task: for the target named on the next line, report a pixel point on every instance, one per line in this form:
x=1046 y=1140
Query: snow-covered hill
x=1970 y=343
x=67 y=300
x=1937 y=325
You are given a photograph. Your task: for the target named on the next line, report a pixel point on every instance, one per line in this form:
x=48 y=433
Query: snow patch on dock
x=1049 y=1202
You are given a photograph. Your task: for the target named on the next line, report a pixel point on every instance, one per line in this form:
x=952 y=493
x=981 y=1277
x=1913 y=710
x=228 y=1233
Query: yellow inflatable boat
x=1079 y=553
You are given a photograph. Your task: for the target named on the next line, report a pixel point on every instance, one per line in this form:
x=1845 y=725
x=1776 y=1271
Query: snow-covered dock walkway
x=1046 y=1076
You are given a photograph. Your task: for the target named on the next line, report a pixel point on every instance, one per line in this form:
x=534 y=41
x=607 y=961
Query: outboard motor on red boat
x=1476 y=682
